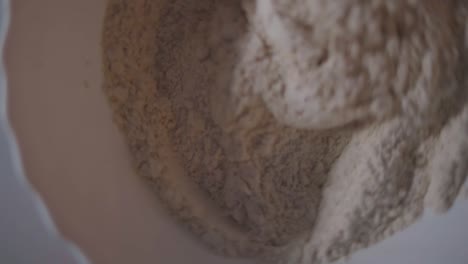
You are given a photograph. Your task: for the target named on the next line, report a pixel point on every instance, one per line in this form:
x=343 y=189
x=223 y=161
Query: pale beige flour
x=294 y=131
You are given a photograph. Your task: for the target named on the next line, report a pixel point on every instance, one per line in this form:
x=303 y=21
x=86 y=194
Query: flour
x=291 y=130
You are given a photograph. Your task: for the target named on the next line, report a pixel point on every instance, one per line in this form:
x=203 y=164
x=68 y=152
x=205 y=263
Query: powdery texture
x=292 y=131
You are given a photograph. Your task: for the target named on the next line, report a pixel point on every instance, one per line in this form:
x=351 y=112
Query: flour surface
x=295 y=131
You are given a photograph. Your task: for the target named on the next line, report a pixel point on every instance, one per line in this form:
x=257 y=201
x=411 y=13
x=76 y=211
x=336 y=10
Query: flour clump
x=295 y=131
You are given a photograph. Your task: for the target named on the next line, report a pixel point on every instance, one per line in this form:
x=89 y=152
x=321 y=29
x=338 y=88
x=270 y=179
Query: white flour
x=292 y=130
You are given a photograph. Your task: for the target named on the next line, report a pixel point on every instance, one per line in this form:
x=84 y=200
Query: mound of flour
x=294 y=131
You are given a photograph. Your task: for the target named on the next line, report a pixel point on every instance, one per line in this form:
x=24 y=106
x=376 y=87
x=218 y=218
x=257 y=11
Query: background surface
x=76 y=160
